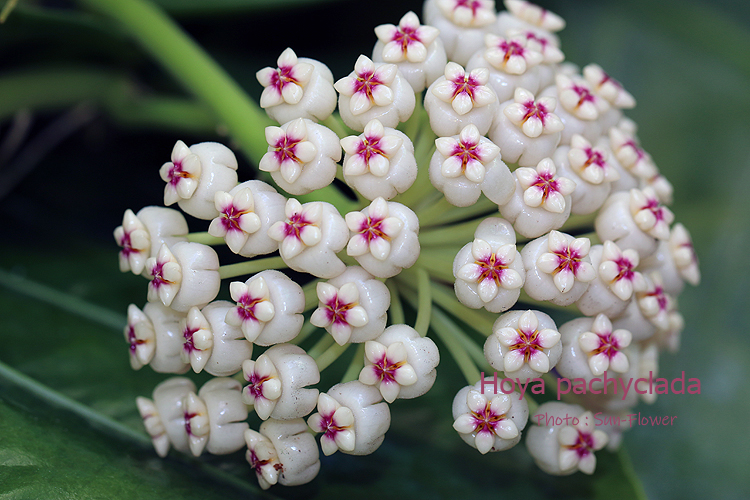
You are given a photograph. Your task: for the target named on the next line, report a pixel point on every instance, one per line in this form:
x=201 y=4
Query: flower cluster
x=541 y=141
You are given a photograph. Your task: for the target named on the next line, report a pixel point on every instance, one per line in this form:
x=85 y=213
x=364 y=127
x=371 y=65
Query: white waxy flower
x=195 y=174
x=245 y=214
x=228 y=348
x=466 y=165
x=164 y=415
x=380 y=162
x=310 y=238
x=401 y=363
x=387 y=367
x=140 y=335
x=654 y=302
x=301 y=156
x=226 y=415
x=545 y=44
x=489 y=420
x=414 y=48
x=542 y=188
x=141 y=235
x=462 y=37
x=607 y=87
x=604 y=346
x=535 y=15
x=564 y=449
x=634 y=220
x=533 y=117
x=196 y=423
x=630 y=155
x=512 y=56
x=521 y=344
x=675 y=260
x=474 y=13
x=384 y=237
x=183 y=276
x=578 y=98
x=352 y=306
x=352 y=418
x=489 y=271
x=336 y=422
x=564 y=260
x=297 y=88
x=374 y=90
x=268 y=307
x=262 y=457
x=297 y=452
x=198 y=339
x=278 y=380
x=649 y=214
x=458 y=98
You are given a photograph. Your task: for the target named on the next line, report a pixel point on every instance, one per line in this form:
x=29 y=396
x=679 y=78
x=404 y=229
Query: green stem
x=356 y=365
x=335 y=123
x=205 y=238
x=396 y=311
x=190 y=64
x=478 y=319
x=483 y=207
x=321 y=345
x=307 y=329
x=446 y=330
x=330 y=355
x=431 y=214
x=439 y=263
x=250 y=267
x=458 y=234
x=311 y=294
x=424 y=308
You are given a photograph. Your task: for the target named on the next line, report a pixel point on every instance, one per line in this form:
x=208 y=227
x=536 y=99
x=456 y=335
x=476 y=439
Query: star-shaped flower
x=467 y=155
x=336 y=422
x=165 y=274
x=198 y=339
x=604 y=347
x=649 y=214
x=526 y=344
x=490 y=269
x=134 y=238
x=617 y=270
x=368 y=86
x=590 y=163
x=511 y=55
x=578 y=444
x=140 y=335
x=264 y=386
x=546 y=45
x=579 y=99
x=373 y=231
x=254 y=307
x=654 y=302
x=197 y=427
x=406 y=42
x=371 y=151
x=387 y=367
x=535 y=15
x=533 y=117
x=464 y=92
x=300 y=230
x=181 y=174
x=339 y=311
x=683 y=254
x=564 y=260
x=630 y=155
x=607 y=87
x=468 y=13
x=542 y=188
x=288 y=151
x=285 y=83
x=237 y=219
x=487 y=420
x=262 y=457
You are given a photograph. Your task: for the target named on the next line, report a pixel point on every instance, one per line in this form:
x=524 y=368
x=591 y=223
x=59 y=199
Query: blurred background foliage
x=86 y=119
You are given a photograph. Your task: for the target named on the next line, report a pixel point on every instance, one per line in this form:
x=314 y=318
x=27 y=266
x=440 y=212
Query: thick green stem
x=356 y=365
x=311 y=294
x=330 y=355
x=250 y=267
x=478 y=319
x=321 y=345
x=205 y=239
x=458 y=234
x=424 y=309
x=190 y=64
x=446 y=330
x=396 y=311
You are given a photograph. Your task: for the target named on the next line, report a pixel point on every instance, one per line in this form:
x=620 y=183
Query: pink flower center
x=568 y=259
x=474 y=5
x=485 y=420
x=386 y=370
x=176 y=173
x=284 y=149
x=638 y=151
x=329 y=427
x=157 y=273
x=230 y=218
x=547 y=183
x=336 y=310
x=511 y=49
x=133 y=340
x=595 y=157
x=366 y=82
x=405 y=36
x=283 y=76
x=126 y=244
x=528 y=343
x=661 y=297
x=371 y=229
x=534 y=110
x=607 y=344
x=294 y=226
x=369 y=147
x=625 y=268
x=492 y=268
x=655 y=207
x=256 y=384
x=188 y=427
x=246 y=307
x=465 y=83
x=584 y=444
x=466 y=152
x=584 y=95
x=532 y=36
x=187 y=334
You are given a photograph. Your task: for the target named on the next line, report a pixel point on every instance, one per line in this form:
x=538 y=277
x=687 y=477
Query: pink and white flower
x=198 y=339
x=135 y=241
x=264 y=386
x=406 y=42
x=339 y=311
x=565 y=260
x=387 y=367
x=487 y=420
x=468 y=13
x=262 y=457
x=336 y=422
x=533 y=117
x=368 y=86
x=604 y=347
x=630 y=154
x=589 y=162
x=254 y=306
x=285 y=83
x=607 y=87
x=466 y=155
x=535 y=15
x=139 y=334
x=579 y=99
x=542 y=188
x=649 y=214
x=617 y=270
x=181 y=174
x=237 y=219
x=578 y=444
x=511 y=55
x=166 y=276
x=491 y=270
x=462 y=91
x=526 y=344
